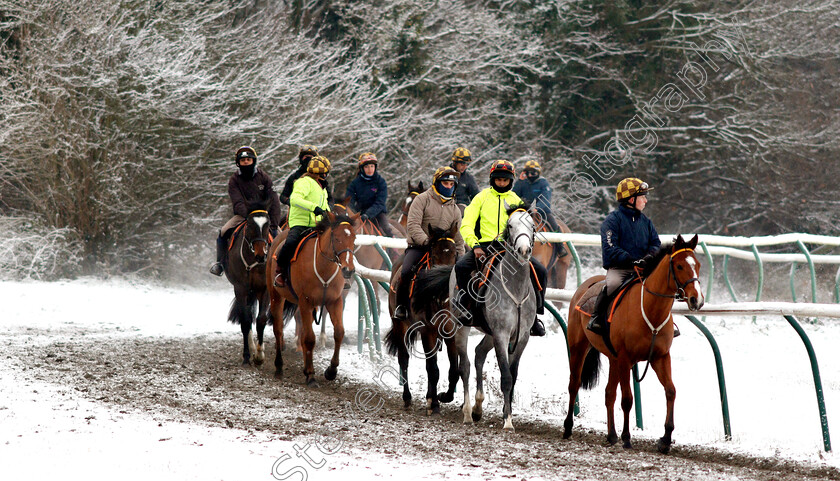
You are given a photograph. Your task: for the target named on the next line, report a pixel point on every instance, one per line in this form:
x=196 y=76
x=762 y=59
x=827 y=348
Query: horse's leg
x=244 y=323
x=461 y=338
x=430 y=339
x=626 y=400
x=662 y=367
x=322 y=339
x=307 y=341
x=452 y=354
x=298 y=331
x=335 y=309
x=276 y=307
x=578 y=349
x=403 y=355
x=612 y=386
x=262 y=319
x=501 y=344
x=481 y=351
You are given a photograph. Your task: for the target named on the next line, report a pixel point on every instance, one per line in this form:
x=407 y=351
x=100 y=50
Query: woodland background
x=119 y=119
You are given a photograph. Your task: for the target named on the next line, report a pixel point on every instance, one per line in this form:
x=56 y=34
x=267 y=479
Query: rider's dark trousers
x=410 y=260
x=384 y=224
x=284 y=256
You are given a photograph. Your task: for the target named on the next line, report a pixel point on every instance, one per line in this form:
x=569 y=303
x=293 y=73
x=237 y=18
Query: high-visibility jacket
x=488 y=209
x=306 y=195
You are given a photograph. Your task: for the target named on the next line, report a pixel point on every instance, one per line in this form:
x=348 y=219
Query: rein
x=512 y=347
x=678 y=295
x=251 y=242
x=335 y=260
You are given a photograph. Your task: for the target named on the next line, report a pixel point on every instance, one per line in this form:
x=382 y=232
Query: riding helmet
x=532 y=165
x=446 y=173
x=502 y=169
x=318 y=165
x=245 y=152
x=306 y=153
x=367 y=158
x=461 y=154
x=631 y=187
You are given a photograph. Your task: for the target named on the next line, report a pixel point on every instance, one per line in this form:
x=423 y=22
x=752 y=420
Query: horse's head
x=413 y=191
x=256 y=231
x=519 y=233
x=686 y=271
x=341 y=230
x=442 y=249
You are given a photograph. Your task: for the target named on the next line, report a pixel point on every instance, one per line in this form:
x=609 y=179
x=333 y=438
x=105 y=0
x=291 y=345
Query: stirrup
x=538 y=329
x=401 y=312
x=279 y=281
x=217 y=269
x=594 y=325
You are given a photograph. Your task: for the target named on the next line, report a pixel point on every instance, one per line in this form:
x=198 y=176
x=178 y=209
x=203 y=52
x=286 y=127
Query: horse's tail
x=591 y=369
x=289 y=309
x=397 y=337
x=235 y=313
x=433 y=284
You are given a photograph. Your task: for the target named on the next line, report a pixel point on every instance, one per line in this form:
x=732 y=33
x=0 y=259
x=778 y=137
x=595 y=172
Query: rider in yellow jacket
x=487 y=211
x=307 y=204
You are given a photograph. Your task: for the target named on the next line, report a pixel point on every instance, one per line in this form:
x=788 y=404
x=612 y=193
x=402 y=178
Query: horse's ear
x=679 y=242
x=410 y=187
x=692 y=244
x=345 y=201
x=331 y=216
x=453 y=230
x=420 y=187
x=354 y=219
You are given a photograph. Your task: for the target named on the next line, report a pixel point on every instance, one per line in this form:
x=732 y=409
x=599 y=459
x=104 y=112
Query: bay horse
x=245 y=270
x=555 y=258
x=413 y=191
x=313 y=283
x=422 y=322
x=641 y=329
x=508 y=309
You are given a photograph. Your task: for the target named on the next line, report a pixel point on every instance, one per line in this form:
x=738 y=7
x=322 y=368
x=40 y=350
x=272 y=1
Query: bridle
x=679 y=295
x=251 y=242
x=335 y=260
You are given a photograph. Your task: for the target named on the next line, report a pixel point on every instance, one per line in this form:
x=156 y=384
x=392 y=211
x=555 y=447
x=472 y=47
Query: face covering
x=443 y=191
x=532 y=176
x=502 y=190
x=247 y=171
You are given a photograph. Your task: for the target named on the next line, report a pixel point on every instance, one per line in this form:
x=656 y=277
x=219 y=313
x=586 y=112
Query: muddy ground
x=201 y=380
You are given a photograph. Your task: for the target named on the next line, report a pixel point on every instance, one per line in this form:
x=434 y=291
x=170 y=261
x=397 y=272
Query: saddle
x=235 y=233
x=586 y=304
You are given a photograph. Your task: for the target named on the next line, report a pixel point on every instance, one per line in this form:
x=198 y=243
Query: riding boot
x=538 y=329
x=217 y=268
x=401 y=311
x=596 y=322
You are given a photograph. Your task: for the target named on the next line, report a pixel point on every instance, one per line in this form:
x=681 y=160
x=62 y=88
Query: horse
x=421 y=321
x=245 y=270
x=313 y=282
x=508 y=310
x=413 y=191
x=641 y=328
x=551 y=255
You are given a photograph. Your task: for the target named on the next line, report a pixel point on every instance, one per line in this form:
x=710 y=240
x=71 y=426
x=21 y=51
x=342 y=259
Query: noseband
x=251 y=243
x=680 y=293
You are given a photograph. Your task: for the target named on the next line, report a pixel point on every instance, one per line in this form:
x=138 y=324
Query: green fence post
x=637 y=392
x=711 y=272
x=760 y=276
x=726 y=277
x=578 y=270
x=837 y=286
x=548 y=305
x=792 y=283
x=811 y=267
x=384 y=256
x=815 y=370
x=724 y=398
x=364 y=315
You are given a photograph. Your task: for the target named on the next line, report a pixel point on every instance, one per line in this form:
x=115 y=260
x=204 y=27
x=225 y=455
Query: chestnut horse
x=245 y=270
x=641 y=329
x=551 y=255
x=313 y=282
x=423 y=322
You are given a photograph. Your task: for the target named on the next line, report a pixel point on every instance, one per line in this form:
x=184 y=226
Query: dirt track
x=200 y=380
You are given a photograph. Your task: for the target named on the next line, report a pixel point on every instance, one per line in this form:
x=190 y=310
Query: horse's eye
x=679 y=268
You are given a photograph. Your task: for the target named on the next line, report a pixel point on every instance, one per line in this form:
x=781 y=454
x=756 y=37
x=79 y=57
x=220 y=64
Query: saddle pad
x=236 y=232
x=586 y=304
x=301 y=243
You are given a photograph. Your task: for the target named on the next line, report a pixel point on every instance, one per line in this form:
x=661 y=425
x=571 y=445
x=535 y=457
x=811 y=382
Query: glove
x=364 y=217
x=319 y=211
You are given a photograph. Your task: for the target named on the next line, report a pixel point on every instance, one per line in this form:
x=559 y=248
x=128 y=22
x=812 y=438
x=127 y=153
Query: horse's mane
x=325 y=223
x=655 y=258
x=510 y=210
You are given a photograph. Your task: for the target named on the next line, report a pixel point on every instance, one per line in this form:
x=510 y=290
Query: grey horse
x=509 y=307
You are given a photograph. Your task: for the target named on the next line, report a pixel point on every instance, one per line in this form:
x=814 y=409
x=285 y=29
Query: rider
x=368 y=193
x=307 y=204
x=304 y=156
x=536 y=189
x=433 y=208
x=249 y=185
x=487 y=210
x=467 y=188
x=627 y=237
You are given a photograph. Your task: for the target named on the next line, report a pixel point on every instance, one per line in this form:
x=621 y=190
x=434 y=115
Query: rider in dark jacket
x=306 y=153
x=534 y=188
x=368 y=193
x=627 y=237
x=467 y=188
x=248 y=185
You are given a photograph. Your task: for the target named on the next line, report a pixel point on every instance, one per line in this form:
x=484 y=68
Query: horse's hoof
x=246 y=363
x=468 y=420
x=663 y=446
x=311 y=382
x=567 y=433
x=612 y=439
x=628 y=445
x=258 y=362
x=278 y=374
x=407 y=405
x=476 y=416
x=446 y=397
x=330 y=373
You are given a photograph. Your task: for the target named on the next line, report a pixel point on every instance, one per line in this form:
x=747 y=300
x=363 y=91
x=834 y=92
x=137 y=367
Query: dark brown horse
x=641 y=329
x=314 y=282
x=422 y=321
x=245 y=270
x=413 y=191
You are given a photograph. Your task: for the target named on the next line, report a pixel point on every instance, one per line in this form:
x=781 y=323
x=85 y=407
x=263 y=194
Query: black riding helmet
x=306 y=153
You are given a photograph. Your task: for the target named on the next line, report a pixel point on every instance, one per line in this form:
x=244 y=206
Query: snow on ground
x=48 y=430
